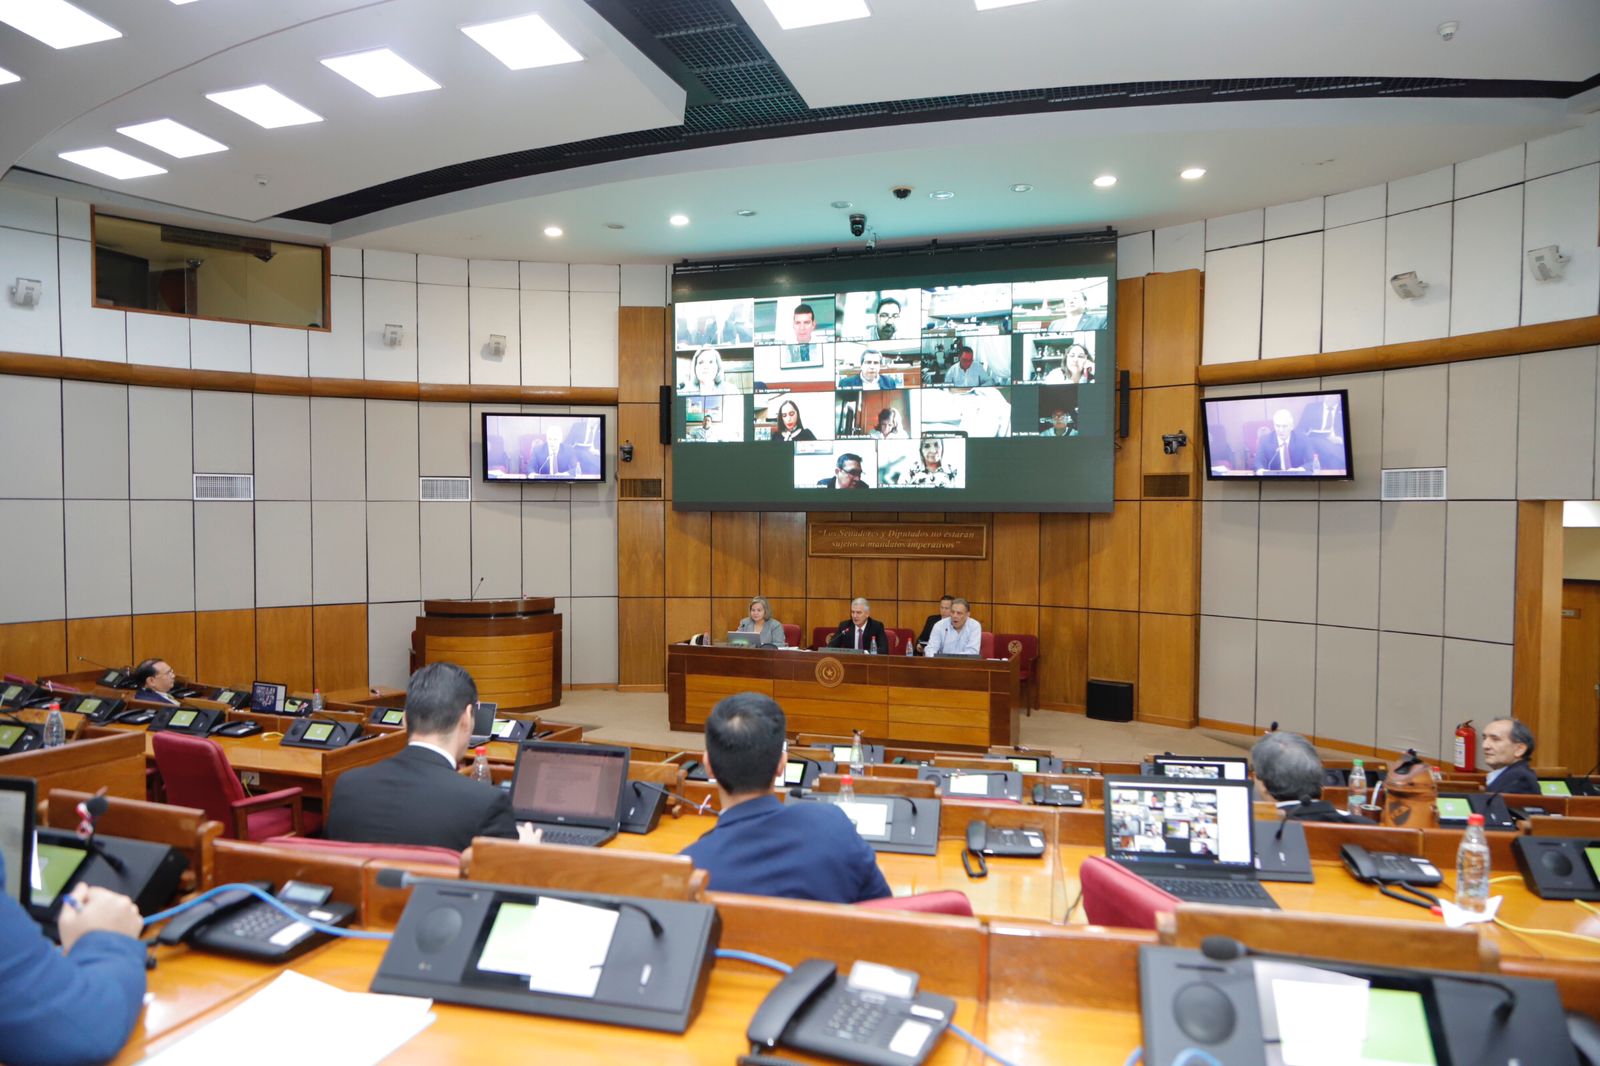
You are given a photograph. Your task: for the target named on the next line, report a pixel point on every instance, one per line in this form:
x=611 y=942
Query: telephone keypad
x=855 y=1018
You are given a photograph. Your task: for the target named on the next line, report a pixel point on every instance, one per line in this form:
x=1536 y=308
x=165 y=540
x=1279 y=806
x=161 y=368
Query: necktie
x=1283 y=459
x=858 y=638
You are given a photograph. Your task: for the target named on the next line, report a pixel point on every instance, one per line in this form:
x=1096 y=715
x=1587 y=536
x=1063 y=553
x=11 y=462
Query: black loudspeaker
x=1110 y=701
x=1124 y=402
x=664 y=414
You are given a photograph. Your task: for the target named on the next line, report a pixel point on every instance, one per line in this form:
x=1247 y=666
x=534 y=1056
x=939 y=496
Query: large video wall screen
x=987 y=385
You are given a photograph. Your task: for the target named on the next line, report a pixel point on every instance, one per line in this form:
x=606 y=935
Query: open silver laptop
x=574 y=792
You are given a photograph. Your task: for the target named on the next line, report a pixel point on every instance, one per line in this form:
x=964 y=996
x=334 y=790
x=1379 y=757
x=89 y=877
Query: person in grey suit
x=760 y=620
x=417 y=797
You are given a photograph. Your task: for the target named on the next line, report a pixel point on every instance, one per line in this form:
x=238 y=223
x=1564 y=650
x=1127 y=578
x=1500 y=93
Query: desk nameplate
x=898 y=540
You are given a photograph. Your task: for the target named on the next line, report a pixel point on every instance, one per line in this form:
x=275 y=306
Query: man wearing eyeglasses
x=155 y=679
x=888 y=315
x=847 y=474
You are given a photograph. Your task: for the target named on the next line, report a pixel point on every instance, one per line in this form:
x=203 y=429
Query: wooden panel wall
x=1111 y=596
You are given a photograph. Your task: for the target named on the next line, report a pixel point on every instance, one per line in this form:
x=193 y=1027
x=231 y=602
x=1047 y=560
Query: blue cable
x=331 y=930
x=980 y=1045
x=1136 y=1055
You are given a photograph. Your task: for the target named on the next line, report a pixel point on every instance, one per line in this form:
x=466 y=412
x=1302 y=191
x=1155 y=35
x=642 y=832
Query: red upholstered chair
x=791 y=634
x=948 y=901
x=1023 y=647
x=197 y=773
x=986 y=644
x=380 y=852
x=898 y=639
x=820 y=635
x=1114 y=896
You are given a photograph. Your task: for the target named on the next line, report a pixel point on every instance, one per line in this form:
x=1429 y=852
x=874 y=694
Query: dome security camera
x=858 y=224
x=901 y=191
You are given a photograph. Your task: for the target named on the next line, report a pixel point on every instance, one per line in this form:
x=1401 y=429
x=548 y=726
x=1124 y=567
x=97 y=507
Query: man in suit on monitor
x=1285 y=451
x=846 y=474
x=860 y=631
x=417 y=797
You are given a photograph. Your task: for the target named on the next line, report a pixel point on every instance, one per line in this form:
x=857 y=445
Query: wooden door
x=1580 y=677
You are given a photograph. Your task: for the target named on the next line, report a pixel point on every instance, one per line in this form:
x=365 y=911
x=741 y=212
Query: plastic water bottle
x=1472 y=868
x=858 y=756
x=1358 y=788
x=480 y=767
x=911 y=648
x=847 y=788
x=872 y=646
x=55 y=730
x=316 y=701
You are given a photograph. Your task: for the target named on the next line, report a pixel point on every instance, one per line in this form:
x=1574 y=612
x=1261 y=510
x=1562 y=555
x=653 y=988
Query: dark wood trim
x=67 y=368
x=1544 y=337
x=516 y=607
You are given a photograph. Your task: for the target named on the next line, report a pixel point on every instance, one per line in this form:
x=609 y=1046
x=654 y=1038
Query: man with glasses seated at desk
x=1289 y=771
x=155 y=679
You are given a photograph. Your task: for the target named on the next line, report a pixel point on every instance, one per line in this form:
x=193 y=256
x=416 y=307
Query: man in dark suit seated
x=933 y=619
x=760 y=846
x=417 y=797
x=1289 y=771
x=153 y=679
x=860 y=631
x=1507 y=745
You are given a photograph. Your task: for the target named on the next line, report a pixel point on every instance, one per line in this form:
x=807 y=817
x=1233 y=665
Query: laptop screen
x=16 y=836
x=1221 y=768
x=580 y=784
x=1196 y=823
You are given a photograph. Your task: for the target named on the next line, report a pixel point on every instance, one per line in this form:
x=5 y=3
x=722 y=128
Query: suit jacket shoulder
x=414 y=797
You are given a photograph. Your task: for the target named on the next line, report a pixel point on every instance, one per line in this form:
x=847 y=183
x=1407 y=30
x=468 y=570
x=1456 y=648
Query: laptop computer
x=743 y=639
x=574 y=792
x=1193 y=838
x=1207 y=767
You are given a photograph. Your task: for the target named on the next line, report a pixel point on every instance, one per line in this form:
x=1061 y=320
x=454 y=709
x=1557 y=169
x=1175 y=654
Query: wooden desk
x=968 y=703
x=114 y=761
x=512 y=648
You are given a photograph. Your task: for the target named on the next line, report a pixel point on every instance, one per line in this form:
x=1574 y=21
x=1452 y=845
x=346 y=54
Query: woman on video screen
x=888 y=425
x=932 y=470
x=705 y=373
x=790 y=425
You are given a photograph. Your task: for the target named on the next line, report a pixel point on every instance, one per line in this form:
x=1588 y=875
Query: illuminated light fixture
x=679 y=220
x=1105 y=181
x=798 y=14
x=173 y=138
x=1022 y=186
x=745 y=212
x=6 y=77
x=990 y=5
x=552 y=231
x=522 y=43
x=112 y=163
x=55 y=22
x=942 y=194
x=381 y=73
x=1192 y=173
x=182 y=2
x=265 y=106
x=842 y=204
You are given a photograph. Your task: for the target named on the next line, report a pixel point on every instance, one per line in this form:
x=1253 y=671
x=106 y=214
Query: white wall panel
x=32 y=330
x=1286 y=676
x=99 y=580
x=1291 y=297
x=338 y=552
x=1227 y=684
x=20 y=209
x=1477 y=685
x=441 y=270
x=283 y=447
x=219 y=345
x=1486 y=262
x=1347 y=684
x=446 y=550
x=1480 y=569
x=1286 y=220
x=283 y=554
x=1229 y=532
x=344 y=262
x=594 y=548
x=158 y=340
x=552 y=276
x=589 y=625
x=1565 y=150
x=1564 y=210
x=1415 y=413
x=1180 y=247
x=546 y=548
x=1232 y=331
x=392 y=451
x=1419 y=241
x=497 y=548
x=394 y=551
x=547 y=341
x=389 y=627
x=594 y=339
x=644 y=285
x=1482 y=439
x=1409 y=696
x=595 y=277
x=444 y=440
x=1555 y=425
x=30 y=438
x=492 y=273
x=1421 y=190
x=1245 y=227
x=87 y=331
x=224 y=543
x=1353 y=286
x=94 y=455
x=160 y=444
x=386 y=303
x=1287 y=581
x=276 y=350
x=1347 y=563
x=1411 y=567
x=73 y=219
x=1136 y=254
x=442 y=334
x=394 y=266
x=223 y=433
x=1357 y=205
x=492 y=311
x=36 y=562
x=337 y=352
x=1493 y=171
x=338 y=448
x=163 y=555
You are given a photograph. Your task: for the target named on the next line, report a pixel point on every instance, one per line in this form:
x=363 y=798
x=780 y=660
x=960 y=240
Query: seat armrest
x=283 y=797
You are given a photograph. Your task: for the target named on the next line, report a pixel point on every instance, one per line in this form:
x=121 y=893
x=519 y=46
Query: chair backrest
x=18 y=679
x=944 y=901
x=1023 y=647
x=357 y=849
x=986 y=645
x=1545 y=825
x=585 y=869
x=898 y=638
x=196 y=773
x=1325 y=839
x=791 y=634
x=881 y=786
x=1114 y=896
x=820 y=635
x=186 y=829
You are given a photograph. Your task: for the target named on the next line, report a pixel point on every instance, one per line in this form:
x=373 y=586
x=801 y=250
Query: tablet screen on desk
x=794 y=772
x=1025 y=764
x=842 y=752
x=53 y=867
x=502 y=727
x=870 y=819
x=1593 y=855
x=181 y=719
x=394 y=716
x=1554 y=788
x=319 y=731
x=1452 y=808
x=1397 y=1029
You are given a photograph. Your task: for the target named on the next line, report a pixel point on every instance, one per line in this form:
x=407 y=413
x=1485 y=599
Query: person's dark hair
x=947 y=596
x=967 y=348
x=1287 y=766
x=799 y=422
x=436 y=696
x=886 y=300
x=845 y=458
x=145 y=671
x=1520 y=734
x=962 y=600
x=805 y=309
x=744 y=738
x=887 y=414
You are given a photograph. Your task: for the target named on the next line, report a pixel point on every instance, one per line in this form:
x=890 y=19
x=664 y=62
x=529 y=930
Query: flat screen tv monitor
x=969 y=381
x=1287 y=436
x=521 y=447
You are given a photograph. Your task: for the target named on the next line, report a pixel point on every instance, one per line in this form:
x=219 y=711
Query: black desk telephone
x=1001 y=841
x=875 y=1017
x=1057 y=796
x=320 y=733
x=237 y=923
x=242 y=728
x=1388 y=867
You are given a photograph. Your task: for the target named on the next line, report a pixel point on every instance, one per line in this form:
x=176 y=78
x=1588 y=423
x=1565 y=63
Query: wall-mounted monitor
x=1294 y=436
x=973 y=380
x=522 y=447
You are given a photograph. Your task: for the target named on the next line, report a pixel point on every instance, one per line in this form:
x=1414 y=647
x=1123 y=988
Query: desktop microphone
x=1227 y=949
x=91 y=662
x=476 y=587
x=89 y=812
x=699 y=808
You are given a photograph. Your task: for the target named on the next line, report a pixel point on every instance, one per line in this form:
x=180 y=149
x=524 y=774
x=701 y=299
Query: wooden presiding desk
x=891 y=698
x=512 y=648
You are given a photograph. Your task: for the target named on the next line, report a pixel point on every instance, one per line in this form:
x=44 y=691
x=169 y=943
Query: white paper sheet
x=969 y=785
x=560 y=946
x=870 y=819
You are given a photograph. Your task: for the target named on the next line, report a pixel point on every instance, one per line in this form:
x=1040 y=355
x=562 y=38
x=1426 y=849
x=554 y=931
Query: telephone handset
x=876 y=1017
x=238 y=923
x=1004 y=841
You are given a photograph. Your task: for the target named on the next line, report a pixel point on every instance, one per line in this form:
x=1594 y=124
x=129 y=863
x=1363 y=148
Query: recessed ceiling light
x=1105 y=181
x=990 y=5
x=841 y=204
x=798 y=14
x=6 y=77
x=111 y=162
x=522 y=43
x=173 y=138
x=1022 y=186
x=942 y=194
x=679 y=220
x=552 y=231
x=745 y=212
x=381 y=73
x=265 y=106
x=615 y=225
x=183 y=1
x=1192 y=173
x=55 y=22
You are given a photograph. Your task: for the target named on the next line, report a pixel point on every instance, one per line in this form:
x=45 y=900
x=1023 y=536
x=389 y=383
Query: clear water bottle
x=480 y=767
x=316 y=701
x=1472 y=868
x=911 y=648
x=847 y=788
x=858 y=755
x=55 y=729
x=1358 y=788
x=872 y=646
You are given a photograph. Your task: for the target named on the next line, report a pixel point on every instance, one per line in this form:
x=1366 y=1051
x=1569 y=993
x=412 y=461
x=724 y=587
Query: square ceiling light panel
x=523 y=43
x=381 y=73
x=265 y=106
x=112 y=163
x=55 y=22
x=173 y=138
x=798 y=14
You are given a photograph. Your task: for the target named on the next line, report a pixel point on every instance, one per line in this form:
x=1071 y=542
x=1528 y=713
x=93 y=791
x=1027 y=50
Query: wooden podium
x=512 y=648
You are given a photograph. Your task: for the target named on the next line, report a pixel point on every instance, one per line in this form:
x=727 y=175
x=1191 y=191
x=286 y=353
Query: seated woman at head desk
x=760 y=620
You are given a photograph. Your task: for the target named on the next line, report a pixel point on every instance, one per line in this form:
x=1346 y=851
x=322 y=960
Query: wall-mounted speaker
x=664 y=414
x=1110 y=701
x=1124 y=402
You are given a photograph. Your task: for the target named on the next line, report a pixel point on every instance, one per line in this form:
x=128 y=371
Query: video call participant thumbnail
x=847 y=474
x=870 y=375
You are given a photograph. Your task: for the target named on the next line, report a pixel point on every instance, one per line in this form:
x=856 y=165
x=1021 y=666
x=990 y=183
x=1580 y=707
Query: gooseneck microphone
x=478 y=586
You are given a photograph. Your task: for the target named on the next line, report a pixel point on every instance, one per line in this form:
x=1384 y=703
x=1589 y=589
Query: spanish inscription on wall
x=898 y=540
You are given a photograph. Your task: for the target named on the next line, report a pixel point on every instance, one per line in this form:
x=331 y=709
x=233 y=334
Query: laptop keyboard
x=1196 y=889
x=571 y=835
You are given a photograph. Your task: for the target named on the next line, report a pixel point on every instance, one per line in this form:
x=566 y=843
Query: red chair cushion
x=791 y=634
x=382 y=852
x=948 y=901
x=196 y=773
x=1023 y=647
x=898 y=639
x=986 y=645
x=820 y=635
x=1114 y=896
x=278 y=822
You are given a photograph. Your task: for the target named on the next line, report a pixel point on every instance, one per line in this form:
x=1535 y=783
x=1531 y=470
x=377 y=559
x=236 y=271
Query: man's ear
x=467 y=716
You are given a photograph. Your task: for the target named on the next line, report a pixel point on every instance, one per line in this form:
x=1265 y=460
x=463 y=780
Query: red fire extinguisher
x=1466 y=746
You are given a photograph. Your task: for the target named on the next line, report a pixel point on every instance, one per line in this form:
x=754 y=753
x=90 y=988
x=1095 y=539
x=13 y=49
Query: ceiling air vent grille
x=447 y=488
x=224 y=487
x=1426 y=483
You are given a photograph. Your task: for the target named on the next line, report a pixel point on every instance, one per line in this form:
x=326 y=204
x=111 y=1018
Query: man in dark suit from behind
x=417 y=797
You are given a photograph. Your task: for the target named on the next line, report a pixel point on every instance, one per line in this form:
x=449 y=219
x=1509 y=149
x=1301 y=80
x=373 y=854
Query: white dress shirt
x=949 y=640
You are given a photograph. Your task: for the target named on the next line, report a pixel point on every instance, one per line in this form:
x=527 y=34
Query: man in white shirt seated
x=960 y=634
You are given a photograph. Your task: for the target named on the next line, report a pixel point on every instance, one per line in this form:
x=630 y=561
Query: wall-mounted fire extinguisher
x=1466 y=746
